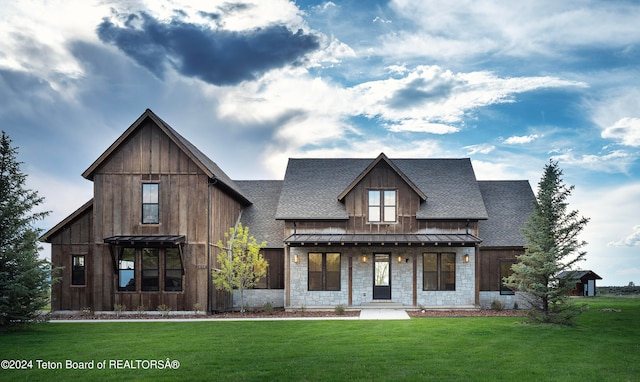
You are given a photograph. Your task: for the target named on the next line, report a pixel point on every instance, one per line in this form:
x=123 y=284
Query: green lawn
x=604 y=346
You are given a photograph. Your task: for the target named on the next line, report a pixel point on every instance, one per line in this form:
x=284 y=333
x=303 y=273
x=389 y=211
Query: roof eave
x=47 y=236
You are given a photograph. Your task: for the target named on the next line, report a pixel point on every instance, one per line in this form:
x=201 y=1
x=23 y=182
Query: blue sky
x=253 y=83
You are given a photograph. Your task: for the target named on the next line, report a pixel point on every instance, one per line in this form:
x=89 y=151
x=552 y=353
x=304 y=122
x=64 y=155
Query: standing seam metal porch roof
x=381 y=239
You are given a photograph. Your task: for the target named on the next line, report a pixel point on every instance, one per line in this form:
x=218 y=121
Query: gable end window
x=324 y=271
x=150 y=203
x=78 y=270
x=439 y=271
x=382 y=206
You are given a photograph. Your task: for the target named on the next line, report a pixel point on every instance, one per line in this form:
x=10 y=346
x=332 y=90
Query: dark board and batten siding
x=73 y=239
x=187 y=197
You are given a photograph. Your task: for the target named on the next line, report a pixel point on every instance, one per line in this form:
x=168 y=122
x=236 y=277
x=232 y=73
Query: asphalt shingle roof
x=260 y=217
x=509 y=204
x=312 y=186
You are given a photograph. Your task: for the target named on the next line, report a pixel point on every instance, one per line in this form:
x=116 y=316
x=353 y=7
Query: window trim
x=439 y=271
x=325 y=272
x=380 y=205
x=156 y=218
x=75 y=272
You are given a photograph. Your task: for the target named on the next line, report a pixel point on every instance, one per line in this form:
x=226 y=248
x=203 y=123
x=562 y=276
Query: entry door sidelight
x=382 y=276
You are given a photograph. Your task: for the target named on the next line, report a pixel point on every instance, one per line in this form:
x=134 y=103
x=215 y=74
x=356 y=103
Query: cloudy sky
x=252 y=83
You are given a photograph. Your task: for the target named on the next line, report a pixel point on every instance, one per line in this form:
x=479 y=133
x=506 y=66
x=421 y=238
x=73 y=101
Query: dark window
x=324 y=271
x=127 y=270
x=150 y=270
x=439 y=271
x=77 y=270
x=150 y=203
x=382 y=206
x=274 y=278
x=172 y=270
x=505 y=271
x=149 y=276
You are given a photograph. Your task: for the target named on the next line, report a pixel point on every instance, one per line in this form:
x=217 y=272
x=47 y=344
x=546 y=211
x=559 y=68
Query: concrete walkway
x=383 y=314
x=365 y=314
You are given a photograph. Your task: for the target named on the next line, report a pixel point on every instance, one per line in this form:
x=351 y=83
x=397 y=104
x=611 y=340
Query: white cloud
x=379 y=19
x=421 y=126
x=483 y=148
x=530 y=28
x=625 y=130
x=431 y=94
x=304 y=110
x=29 y=36
x=630 y=241
x=611 y=210
x=519 y=140
x=612 y=162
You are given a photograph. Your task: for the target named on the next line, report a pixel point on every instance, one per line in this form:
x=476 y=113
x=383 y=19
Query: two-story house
x=352 y=232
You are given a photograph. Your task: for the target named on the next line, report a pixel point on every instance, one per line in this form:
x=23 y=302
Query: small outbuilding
x=585 y=282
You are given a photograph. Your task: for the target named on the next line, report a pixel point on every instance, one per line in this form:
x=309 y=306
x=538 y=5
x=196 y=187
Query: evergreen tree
x=241 y=263
x=552 y=246
x=25 y=280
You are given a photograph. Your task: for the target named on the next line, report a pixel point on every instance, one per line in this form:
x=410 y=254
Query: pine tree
x=552 y=246
x=241 y=263
x=25 y=280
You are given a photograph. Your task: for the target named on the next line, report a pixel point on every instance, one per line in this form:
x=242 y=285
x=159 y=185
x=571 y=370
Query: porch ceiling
x=382 y=239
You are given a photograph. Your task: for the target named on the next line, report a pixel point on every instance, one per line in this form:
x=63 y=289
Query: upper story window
x=78 y=276
x=150 y=203
x=382 y=206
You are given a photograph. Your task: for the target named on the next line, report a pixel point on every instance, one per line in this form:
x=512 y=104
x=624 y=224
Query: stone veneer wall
x=256 y=298
x=401 y=278
x=509 y=300
x=464 y=295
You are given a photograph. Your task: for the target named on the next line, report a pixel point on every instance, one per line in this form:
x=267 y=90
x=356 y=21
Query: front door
x=382 y=276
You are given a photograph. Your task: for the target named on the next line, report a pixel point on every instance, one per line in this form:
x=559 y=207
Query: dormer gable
x=382 y=158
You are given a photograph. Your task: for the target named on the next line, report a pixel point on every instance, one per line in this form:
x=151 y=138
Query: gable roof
x=260 y=217
x=209 y=167
x=509 y=204
x=46 y=237
x=312 y=186
x=382 y=158
x=578 y=275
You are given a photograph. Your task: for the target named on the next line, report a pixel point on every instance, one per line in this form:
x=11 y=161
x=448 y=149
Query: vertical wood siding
x=146 y=156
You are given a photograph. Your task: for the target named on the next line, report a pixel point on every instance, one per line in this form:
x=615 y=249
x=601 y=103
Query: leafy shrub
x=119 y=308
x=165 y=309
x=267 y=308
x=497 y=305
x=339 y=310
